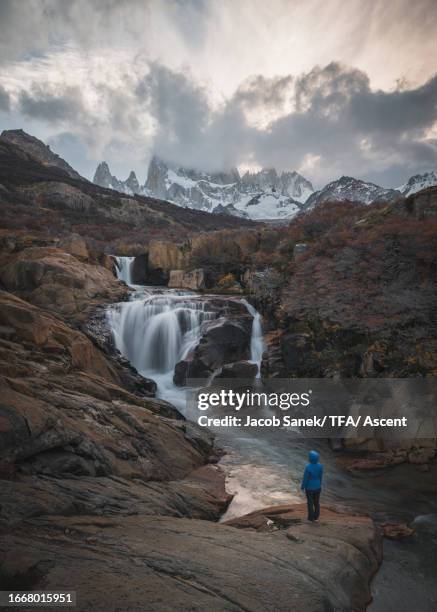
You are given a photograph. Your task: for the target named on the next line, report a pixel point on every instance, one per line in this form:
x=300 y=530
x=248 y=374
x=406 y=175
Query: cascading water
x=156 y=330
x=257 y=345
x=123 y=267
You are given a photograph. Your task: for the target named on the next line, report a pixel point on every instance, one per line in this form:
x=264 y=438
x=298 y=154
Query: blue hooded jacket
x=312 y=477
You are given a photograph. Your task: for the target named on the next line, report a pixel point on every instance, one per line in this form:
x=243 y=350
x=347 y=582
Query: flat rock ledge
x=271 y=560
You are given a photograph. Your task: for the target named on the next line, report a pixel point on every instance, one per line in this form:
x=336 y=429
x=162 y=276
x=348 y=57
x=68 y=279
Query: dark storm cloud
x=336 y=117
x=39 y=103
x=335 y=123
x=188 y=130
x=261 y=91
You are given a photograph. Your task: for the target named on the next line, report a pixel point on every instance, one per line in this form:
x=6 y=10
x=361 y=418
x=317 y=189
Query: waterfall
x=123 y=267
x=154 y=332
x=257 y=346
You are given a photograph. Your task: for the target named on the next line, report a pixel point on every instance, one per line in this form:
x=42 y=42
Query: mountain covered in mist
x=266 y=194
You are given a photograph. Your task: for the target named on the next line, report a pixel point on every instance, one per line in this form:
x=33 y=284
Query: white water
x=123 y=267
x=155 y=331
x=257 y=344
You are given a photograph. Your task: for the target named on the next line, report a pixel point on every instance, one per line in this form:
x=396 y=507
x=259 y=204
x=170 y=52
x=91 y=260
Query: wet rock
x=240 y=369
x=225 y=341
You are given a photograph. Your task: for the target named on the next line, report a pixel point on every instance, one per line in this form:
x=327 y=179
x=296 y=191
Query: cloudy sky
x=326 y=87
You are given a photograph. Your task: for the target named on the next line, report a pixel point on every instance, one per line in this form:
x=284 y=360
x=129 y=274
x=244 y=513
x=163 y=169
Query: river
x=158 y=327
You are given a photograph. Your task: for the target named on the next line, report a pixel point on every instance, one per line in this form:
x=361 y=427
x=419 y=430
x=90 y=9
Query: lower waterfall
x=159 y=327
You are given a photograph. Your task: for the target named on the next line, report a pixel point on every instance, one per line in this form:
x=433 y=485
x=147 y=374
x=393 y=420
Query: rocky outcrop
x=194 y=279
x=162 y=563
x=53 y=279
x=240 y=369
x=224 y=342
x=75 y=245
x=74 y=441
x=167 y=255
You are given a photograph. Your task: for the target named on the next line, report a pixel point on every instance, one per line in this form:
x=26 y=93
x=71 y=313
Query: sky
x=324 y=87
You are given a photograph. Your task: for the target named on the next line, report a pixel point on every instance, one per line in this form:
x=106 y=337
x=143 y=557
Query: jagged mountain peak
x=264 y=194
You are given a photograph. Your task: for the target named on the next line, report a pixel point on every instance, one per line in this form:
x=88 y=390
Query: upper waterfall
x=123 y=267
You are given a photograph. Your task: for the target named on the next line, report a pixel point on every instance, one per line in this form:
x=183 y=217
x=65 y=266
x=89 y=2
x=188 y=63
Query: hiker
x=312 y=485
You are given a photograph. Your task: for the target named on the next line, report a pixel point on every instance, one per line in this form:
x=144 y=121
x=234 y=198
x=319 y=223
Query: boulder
x=245 y=370
x=225 y=341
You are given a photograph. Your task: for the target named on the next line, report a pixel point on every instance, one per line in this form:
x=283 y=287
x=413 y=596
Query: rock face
x=166 y=256
x=38 y=150
x=194 y=279
x=162 y=563
x=240 y=369
x=72 y=439
x=58 y=281
x=224 y=342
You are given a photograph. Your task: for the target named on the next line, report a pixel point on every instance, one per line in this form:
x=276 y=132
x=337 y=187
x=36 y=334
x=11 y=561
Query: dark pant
x=313 y=501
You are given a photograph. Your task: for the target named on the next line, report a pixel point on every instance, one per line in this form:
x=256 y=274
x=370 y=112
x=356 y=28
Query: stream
x=158 y=327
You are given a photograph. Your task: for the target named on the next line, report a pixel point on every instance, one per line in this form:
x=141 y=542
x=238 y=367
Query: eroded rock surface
x=163 y=563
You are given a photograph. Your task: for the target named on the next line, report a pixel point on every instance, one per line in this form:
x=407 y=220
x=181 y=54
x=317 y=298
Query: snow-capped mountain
x=104 y=178
x=417 y=183
x=255 y=195
x=259 y=195
x=353 y=190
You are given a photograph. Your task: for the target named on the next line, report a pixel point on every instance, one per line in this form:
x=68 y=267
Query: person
x=312 y=485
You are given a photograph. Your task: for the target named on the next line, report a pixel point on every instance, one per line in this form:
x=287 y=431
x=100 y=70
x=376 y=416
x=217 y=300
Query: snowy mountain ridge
x=263 y=195
x=258 y=195
x=352 y=190
x=418 y=182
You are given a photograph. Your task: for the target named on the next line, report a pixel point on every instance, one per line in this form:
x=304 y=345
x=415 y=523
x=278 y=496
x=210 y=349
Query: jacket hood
x=313 y=456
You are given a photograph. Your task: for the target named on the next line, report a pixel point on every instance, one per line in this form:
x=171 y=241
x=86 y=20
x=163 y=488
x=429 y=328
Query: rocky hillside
x=42 y=198
x=359 y=297
x=259 y=195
